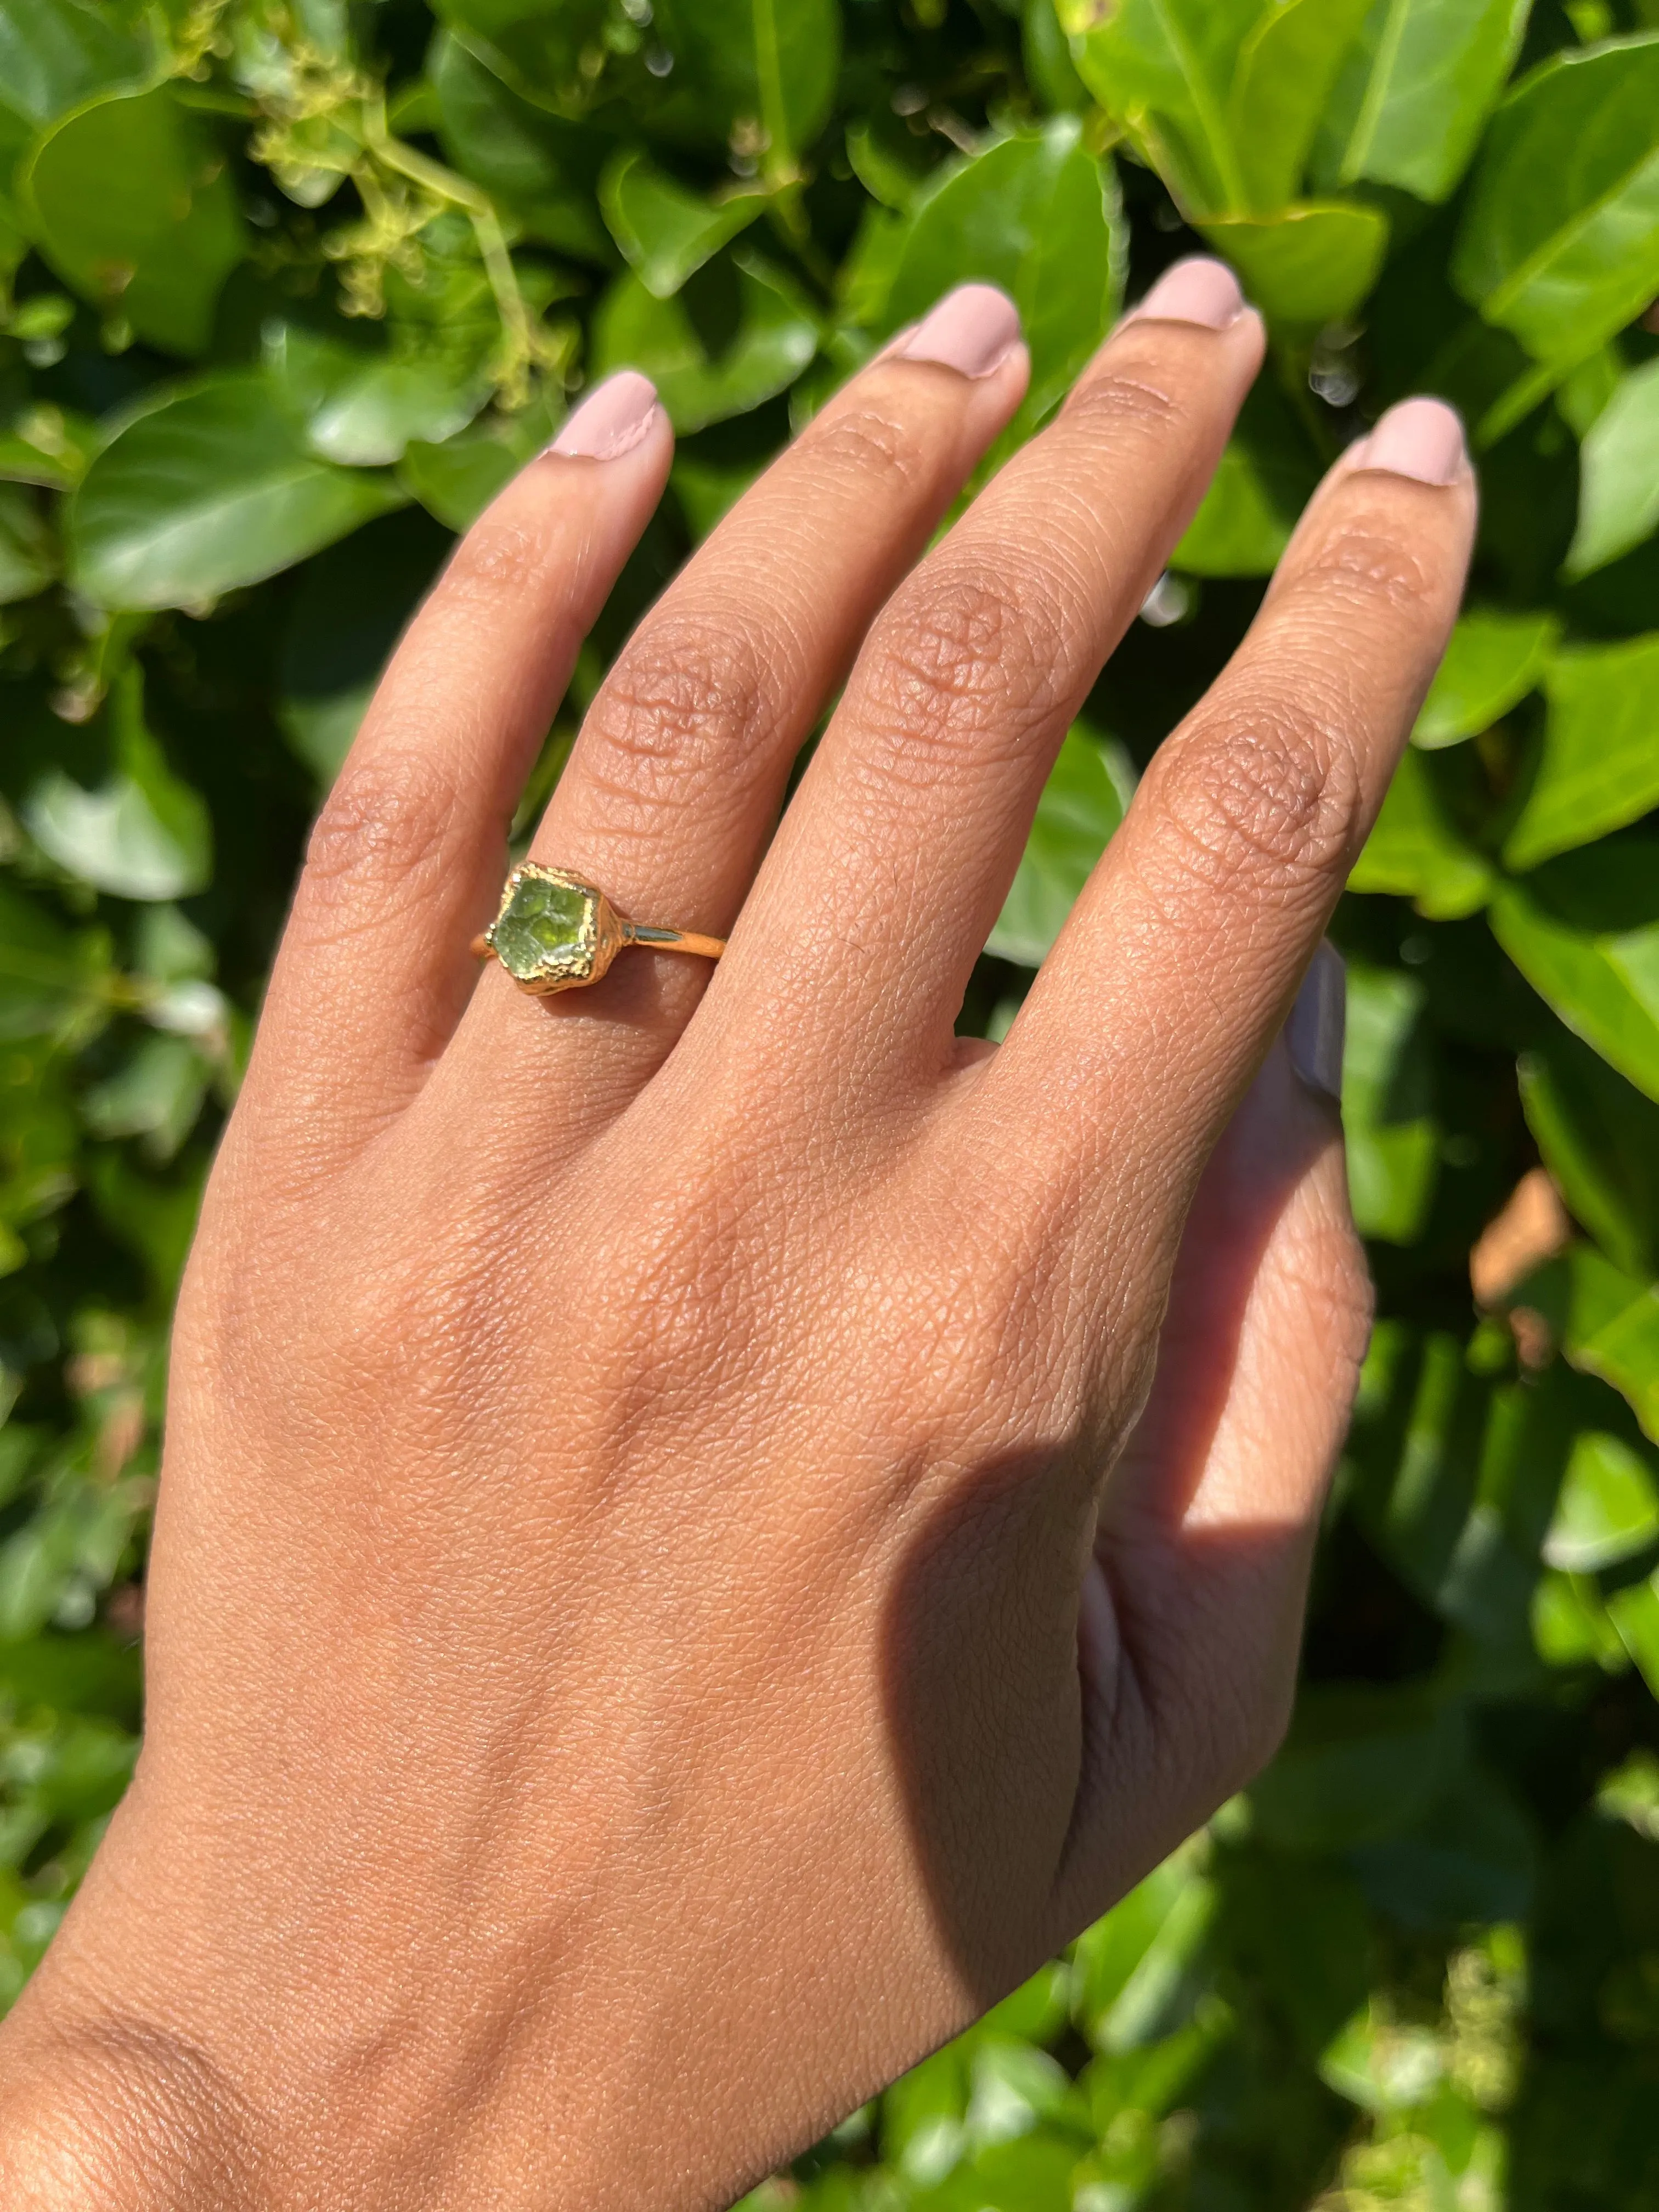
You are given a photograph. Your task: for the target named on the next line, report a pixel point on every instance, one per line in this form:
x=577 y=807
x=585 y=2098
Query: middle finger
x=889 y=869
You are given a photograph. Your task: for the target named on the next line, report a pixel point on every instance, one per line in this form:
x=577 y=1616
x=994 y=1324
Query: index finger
x=1179 y=964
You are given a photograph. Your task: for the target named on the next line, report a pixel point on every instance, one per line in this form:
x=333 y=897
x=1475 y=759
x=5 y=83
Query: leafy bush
x=290 y=288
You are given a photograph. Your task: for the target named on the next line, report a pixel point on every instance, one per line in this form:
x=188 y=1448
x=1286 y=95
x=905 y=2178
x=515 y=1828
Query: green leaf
x=144 y=835
x=1631 y=1794
x=1309 y=264
x=1013 y=2087
x=1619 y=475
x=212 y=488
x=1571 y=1627
x=1423 y=1450
x=1600 y=1140
x=1410 y=104
x=1037 y=2011
x=665 y=233
x=348 y=610
x=51 y=980
x=1584 y=391
x=1050 y=70
x=1082 y=804
x=1287 y=72
x=541 y=167
x=130 y=203
x=1414 y=851
x=13 y=245
x=1600 y=765
x=1560 y=242
x=767 y=62
x=49 y=448
x=1243 y=523
x=1163 y=70
x=28 y=559
x=55 y=53
x=157 y=1096
x=1634 y=1611
x=113 y=838
x=866 y=275
x=1038 y=214
x=1383 y=2066
x=1585 y=931
x=1394 y=1138
x=1607 y=1323
x=457 y=480
x=1493 y=662
x=708 y=490
x=922 y=2116
x=539 y=51
x=363 y=405
x=1359 y=1762
x=169 y=949
x=1265 y=478
x=1469 y=1855
x=1609 y=1508
x=1624 y=1352
x=887 y=161
x=1126 y=1967
x=775 y=335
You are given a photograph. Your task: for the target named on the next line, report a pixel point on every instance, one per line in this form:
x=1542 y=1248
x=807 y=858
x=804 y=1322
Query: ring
x=554 y=932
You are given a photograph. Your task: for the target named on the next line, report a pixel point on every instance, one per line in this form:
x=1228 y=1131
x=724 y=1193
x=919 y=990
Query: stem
x=456 y=191
x=768 y=69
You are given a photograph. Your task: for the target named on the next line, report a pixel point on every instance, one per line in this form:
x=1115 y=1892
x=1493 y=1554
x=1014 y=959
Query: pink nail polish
x=1419 y=438
x=1315 y=1032
x=615 y=416
x=973 y=330
x=1196 y=290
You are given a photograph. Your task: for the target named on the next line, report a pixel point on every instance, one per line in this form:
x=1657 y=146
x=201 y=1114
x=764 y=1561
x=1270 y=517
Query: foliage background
x=288 y=287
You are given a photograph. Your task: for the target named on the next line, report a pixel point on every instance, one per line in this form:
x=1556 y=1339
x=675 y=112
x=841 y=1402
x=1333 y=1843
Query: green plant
x=288 y=287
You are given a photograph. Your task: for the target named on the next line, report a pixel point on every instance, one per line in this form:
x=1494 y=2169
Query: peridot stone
x=545 y=929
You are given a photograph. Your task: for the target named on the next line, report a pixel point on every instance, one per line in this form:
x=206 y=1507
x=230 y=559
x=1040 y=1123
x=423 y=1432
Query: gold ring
x=554 y=932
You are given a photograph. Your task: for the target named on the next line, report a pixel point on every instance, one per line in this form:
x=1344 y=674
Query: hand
x=670 y=1590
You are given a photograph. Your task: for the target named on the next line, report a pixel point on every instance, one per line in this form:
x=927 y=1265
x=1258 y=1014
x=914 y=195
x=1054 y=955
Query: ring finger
x=679 y=769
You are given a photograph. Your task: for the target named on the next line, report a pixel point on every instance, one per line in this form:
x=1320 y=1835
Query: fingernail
x=614 y=418
x=1313 y=1033
x=973 y=330
x=1196 y=290
x=1419 y=438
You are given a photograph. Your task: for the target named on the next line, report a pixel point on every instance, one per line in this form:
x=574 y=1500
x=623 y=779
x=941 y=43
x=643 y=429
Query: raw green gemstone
x=544 y=929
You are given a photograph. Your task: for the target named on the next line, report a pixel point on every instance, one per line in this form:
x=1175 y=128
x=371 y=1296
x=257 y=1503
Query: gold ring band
x=554 y=932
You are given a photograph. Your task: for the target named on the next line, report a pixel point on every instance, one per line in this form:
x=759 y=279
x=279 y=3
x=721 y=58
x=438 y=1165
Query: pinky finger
x=1192 y=1618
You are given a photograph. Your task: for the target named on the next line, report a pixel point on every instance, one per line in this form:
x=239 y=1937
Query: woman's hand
x=670 y=1591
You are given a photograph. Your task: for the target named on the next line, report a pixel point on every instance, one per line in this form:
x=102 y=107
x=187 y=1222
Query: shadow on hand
x=1034 y=1804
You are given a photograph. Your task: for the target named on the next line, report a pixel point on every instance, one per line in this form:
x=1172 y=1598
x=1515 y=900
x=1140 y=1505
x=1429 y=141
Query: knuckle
x=1365 y=569
x=957 y=663
x=406 y=1313
x=1121 y=403
x=502 y=559
x=387 y=824
x=670 y=1336
x=681 y=711
x=861 y=440
x=1273 y=806
x=953 y=1357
